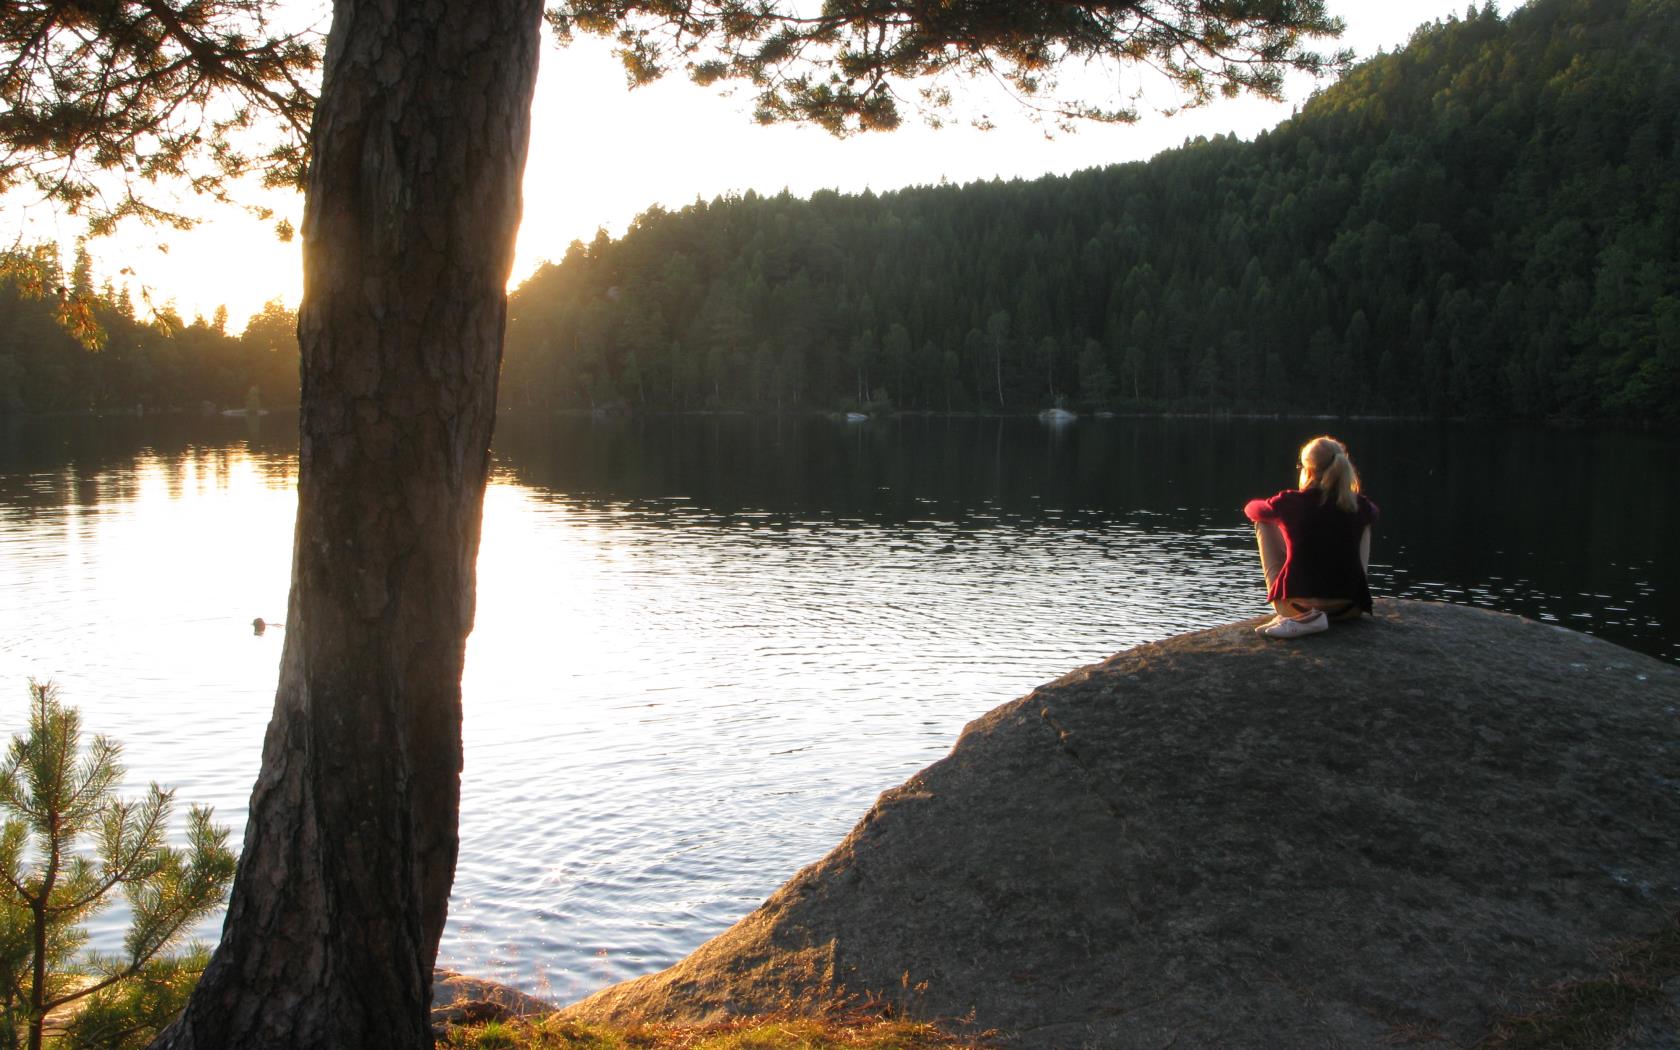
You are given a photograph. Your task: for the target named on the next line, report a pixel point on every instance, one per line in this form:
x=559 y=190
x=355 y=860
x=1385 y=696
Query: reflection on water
x=704 y=645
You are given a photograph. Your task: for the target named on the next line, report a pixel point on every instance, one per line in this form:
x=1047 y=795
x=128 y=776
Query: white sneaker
x=1312 y=623
x=1267 y=624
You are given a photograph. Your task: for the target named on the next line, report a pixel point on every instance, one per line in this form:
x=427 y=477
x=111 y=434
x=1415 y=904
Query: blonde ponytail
x=1325 y=466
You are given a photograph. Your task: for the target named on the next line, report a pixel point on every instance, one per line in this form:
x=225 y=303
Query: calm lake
x=705 y=644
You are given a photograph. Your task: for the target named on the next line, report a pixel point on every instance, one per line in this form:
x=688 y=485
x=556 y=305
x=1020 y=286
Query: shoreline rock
x=459 y=999
x=1399 y=829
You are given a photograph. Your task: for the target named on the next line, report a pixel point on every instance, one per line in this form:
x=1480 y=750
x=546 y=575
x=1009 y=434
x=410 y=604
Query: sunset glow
x=601 y=154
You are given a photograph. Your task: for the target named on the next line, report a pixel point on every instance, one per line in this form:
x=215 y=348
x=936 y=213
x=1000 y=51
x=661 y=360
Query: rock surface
x=1392 y=832
x=459 y=999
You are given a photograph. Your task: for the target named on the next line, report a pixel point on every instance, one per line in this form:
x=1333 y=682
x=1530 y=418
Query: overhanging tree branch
x=107 y=108
x=147 y=90
x=870 y=49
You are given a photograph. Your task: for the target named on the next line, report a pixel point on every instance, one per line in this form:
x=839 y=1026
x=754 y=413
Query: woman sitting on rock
x=1315 y=543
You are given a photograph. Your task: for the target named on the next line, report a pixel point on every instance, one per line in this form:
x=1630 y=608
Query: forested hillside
x=153 y=360
x=1485 y=223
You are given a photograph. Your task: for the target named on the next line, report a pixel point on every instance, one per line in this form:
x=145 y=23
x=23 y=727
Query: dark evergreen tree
x=1483 y=223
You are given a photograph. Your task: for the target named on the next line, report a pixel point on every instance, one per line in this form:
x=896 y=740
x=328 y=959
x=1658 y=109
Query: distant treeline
x=148 y=359
x=1485 y=223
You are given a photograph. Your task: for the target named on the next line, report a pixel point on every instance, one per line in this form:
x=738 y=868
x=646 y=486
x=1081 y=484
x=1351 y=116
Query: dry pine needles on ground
x=839 y=1032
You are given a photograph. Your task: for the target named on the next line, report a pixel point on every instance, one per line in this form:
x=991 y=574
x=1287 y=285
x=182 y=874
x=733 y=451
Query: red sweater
x=1321 y=544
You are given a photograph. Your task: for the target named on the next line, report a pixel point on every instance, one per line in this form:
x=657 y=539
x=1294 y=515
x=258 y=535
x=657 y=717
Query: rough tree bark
x=413 y=201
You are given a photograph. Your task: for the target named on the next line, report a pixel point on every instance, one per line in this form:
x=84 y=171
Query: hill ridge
x=1482 y=223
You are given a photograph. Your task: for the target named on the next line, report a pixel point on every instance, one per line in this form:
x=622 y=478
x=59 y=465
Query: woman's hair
x=1325 y=466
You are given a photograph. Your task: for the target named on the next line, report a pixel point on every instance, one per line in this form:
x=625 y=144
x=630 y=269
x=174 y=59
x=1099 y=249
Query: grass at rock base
x=758 y=1033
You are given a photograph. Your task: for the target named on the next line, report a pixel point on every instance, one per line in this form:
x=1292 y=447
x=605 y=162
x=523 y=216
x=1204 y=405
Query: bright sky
x=601 y=154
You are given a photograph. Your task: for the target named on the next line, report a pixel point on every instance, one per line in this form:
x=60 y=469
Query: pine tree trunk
x=414 y=197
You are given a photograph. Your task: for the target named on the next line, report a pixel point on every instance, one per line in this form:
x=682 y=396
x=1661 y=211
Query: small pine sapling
x=53 y=794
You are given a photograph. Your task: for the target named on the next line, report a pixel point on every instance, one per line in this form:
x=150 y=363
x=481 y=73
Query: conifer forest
x=1485 y=223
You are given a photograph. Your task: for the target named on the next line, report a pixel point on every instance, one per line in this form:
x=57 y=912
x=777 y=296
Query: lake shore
x=875 y=413
x=760 y=624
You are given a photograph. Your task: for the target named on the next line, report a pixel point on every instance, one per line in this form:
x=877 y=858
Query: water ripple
x=672 y=704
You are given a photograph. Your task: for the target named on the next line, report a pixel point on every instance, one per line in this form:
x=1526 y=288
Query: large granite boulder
x=1395 y=831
